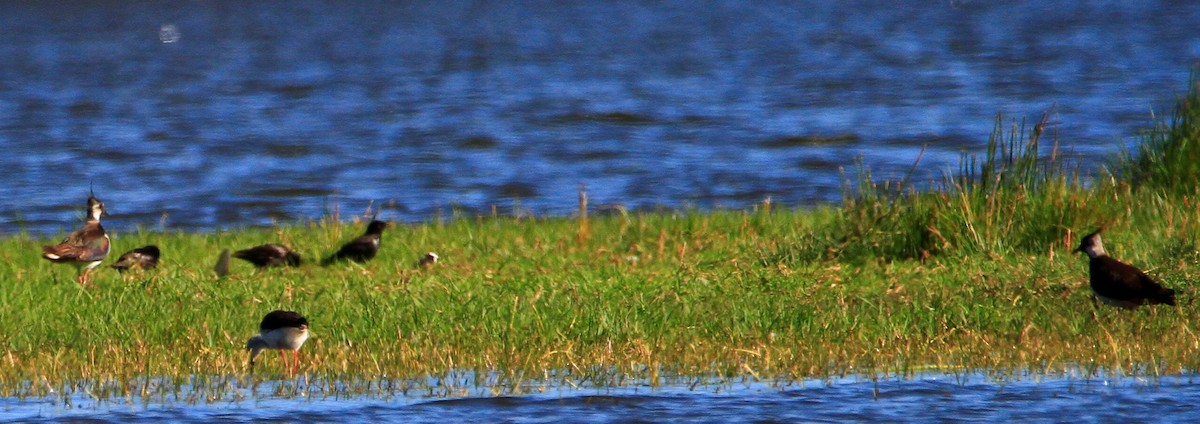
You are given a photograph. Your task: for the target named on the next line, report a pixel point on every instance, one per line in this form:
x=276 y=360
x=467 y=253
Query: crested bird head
x=1091 y=245
x=377 y=227
x=96 y=208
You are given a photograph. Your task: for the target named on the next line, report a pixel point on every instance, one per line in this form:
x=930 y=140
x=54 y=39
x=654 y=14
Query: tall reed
x=1168 y=156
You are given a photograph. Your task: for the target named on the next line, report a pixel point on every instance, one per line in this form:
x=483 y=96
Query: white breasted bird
x=280 y=330
x=86 y=247
x=428 y=260
x=1120 y=284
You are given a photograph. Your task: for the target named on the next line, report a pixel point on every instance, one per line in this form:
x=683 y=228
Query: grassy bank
x=972 y=274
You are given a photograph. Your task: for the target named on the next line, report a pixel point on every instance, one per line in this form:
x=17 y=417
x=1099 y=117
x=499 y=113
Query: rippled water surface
x=926 y=399
x=204 y=115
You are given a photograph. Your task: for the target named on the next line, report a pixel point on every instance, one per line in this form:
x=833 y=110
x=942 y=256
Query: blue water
x=207 y=115
x=930 y=398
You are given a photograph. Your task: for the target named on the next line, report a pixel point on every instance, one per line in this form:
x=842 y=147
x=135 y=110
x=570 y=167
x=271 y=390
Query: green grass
x=1168 y=156
x=973 y=274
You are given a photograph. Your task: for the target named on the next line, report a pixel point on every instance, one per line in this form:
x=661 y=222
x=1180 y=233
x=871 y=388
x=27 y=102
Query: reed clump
x=973 y=273
x=1023 y=197
x=1168 y=156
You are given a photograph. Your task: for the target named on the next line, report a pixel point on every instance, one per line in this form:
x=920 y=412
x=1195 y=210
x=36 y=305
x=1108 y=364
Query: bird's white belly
x=91 y=265
x=1117 y=302
x=285 y=338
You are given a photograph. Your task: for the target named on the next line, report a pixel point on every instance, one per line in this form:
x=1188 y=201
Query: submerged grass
x=974 y=274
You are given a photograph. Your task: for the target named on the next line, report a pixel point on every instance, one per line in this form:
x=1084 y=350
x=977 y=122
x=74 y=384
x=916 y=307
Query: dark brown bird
x=86 y=247
x=145 y=257
x=363 y=248
x=280 y=330
x=1117 y=283
x=269 y=255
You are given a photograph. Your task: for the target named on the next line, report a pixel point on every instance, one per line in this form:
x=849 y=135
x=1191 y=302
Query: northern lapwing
x=363 y=248
x=1117 y=283
x=428 y=260
x=86 y=247
x=280 y=330
x=145 y=257
x=269 y=255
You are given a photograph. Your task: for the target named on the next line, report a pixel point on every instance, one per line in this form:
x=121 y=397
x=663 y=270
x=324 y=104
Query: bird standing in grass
x=427 y=260
x=143 y=257
x=280 y=330
x=1117 y=283
x=86 y=247
x=269 y=255
x=363 y=248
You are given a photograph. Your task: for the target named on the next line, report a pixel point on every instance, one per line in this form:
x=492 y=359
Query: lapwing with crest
x=1117 y=283
x=363 y=248
x=86 y=247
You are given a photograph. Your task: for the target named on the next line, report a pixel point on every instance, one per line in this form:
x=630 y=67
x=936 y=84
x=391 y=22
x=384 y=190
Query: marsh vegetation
x=973 y=272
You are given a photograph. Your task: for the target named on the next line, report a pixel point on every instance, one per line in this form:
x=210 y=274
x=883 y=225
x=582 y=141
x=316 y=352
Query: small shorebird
x=269 y=255
x=86 y=247
x=363 y=248
x=280 y=330
x=1117 y=283
x=143 y=257
x=430 y=259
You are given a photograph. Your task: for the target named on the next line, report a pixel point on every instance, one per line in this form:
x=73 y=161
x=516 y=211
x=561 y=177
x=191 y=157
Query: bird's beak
x=1077 y=250
x=253 y=354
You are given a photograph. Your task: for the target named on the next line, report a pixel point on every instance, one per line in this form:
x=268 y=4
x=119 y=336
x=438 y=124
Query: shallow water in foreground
x=931 y=397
